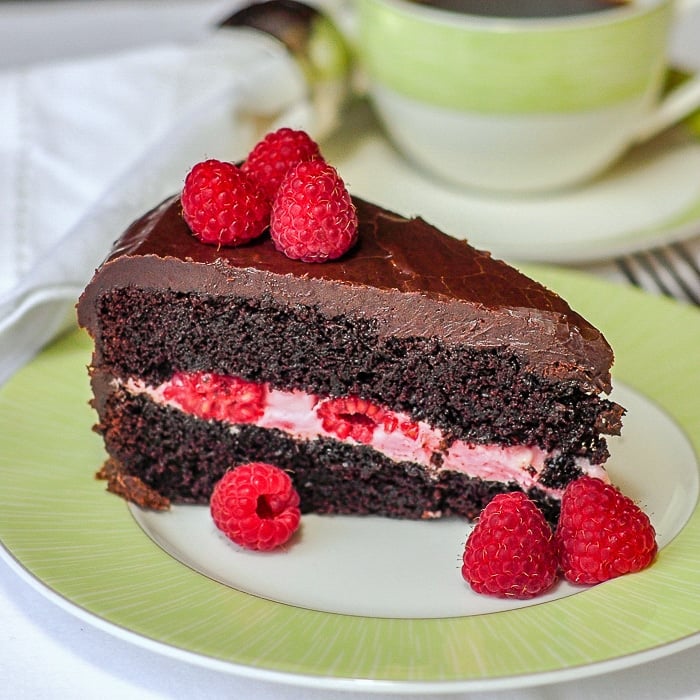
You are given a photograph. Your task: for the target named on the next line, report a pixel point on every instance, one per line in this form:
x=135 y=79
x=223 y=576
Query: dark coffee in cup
x=524 y=8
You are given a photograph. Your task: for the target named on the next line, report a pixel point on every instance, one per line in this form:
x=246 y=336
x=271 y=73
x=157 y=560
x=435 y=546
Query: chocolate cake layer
x=404 y=276
x=181 y=458
x=480 y=395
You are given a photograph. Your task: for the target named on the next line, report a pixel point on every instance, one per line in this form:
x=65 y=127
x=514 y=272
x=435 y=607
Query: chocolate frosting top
x=408 y=276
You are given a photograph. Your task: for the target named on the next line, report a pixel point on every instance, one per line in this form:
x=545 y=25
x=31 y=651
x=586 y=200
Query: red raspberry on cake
x=222 y=206
x=510 y=553
x=271 y=158
x=602 y=533
x=256 y=506
x=313 y=218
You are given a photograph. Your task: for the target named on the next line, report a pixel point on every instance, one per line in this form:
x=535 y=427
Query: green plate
x=84 y=550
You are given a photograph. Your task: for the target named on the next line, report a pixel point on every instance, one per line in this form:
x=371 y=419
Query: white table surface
x=48 y=652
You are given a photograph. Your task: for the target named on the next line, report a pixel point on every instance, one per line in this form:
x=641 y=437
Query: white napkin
x=87 y=145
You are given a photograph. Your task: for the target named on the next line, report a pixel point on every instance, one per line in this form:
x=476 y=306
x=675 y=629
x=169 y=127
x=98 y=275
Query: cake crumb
x=131 y=487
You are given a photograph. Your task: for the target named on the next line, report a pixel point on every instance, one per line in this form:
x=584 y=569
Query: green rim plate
x=81 y=547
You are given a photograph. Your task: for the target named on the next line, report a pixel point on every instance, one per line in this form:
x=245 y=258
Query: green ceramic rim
x=505 y=68
x=58 y=524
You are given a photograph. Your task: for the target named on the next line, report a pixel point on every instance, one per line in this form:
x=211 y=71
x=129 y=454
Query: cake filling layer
x=352 y=420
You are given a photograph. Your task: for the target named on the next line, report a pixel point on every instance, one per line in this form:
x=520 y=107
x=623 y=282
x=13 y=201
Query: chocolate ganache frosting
x=406 y=275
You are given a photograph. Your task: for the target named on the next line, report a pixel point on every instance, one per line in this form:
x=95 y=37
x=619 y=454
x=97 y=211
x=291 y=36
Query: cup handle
x=679 y=102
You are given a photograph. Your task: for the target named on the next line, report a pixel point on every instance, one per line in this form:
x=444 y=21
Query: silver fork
x=671 y=270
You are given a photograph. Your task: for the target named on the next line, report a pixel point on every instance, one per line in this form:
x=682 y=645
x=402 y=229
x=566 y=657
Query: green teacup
x=520 y=103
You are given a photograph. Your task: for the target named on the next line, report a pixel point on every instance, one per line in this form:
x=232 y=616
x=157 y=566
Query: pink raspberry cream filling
x=350 y=419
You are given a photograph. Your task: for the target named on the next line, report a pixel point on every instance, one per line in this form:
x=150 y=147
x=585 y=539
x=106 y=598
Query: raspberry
x=271 y=158
x=256 y=506
x=222 y=206
x=410 y=429
x=217 y=397
x=313 y=218
x=510 y=553
x=353 y=417
x=602 y=533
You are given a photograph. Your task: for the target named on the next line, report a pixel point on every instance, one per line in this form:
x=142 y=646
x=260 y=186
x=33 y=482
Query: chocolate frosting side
x=408 y=276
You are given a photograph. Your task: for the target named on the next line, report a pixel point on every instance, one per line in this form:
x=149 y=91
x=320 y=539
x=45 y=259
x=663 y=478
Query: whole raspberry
x=217 y=396
x=313 y=218
x=222 y=206
x=256 y=506
x=510 y=553
x=602 y=533
x=271 y=158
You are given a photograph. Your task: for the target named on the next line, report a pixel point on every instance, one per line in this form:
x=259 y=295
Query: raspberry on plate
x=510 y=553
x=313 y=218
x=222 y=206
x=256 y=506
x=274 y=155
x=602 y=533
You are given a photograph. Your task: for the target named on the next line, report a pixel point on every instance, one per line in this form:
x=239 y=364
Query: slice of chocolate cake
x=415 y=377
